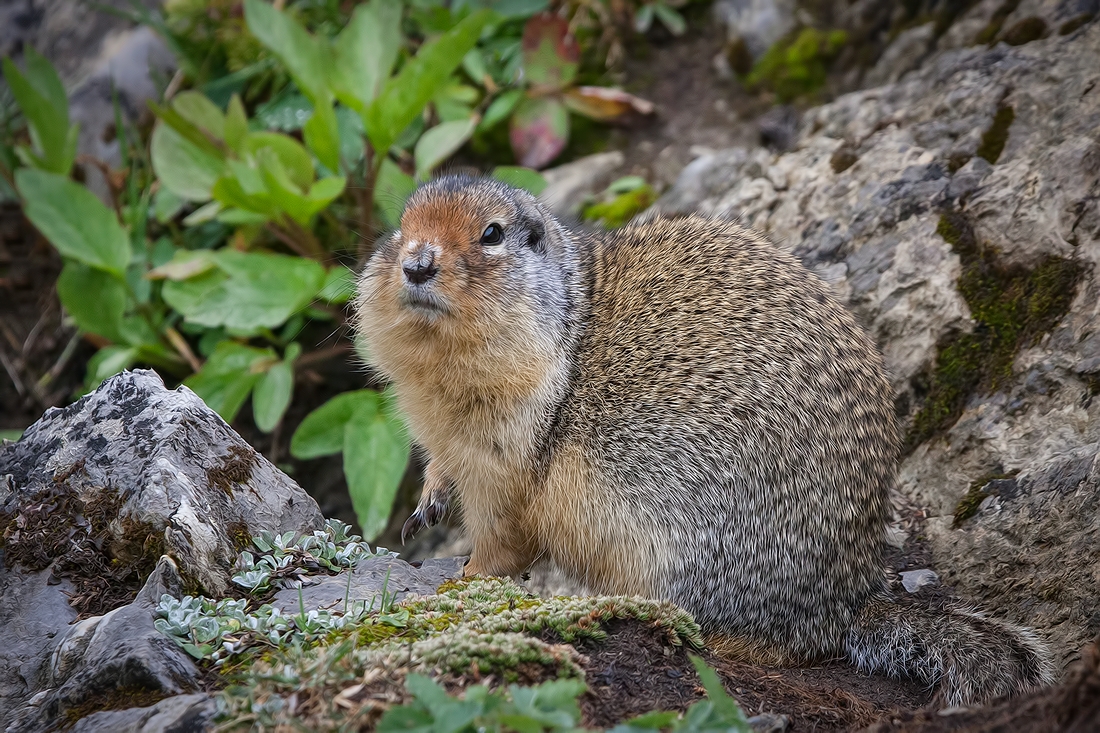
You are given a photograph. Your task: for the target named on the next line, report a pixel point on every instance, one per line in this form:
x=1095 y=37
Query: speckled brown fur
x=676 y=409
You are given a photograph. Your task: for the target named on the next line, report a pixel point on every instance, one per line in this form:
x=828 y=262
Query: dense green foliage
x=289 y=135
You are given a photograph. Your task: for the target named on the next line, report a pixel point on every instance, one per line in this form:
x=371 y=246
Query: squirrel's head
x=475 y=263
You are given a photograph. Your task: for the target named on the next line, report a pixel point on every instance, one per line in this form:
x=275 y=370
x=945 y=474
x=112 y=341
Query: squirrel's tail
x=972 y=657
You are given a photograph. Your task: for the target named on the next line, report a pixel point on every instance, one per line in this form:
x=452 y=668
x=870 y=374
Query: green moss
x=1026 y=31
x=975 y=495
x=739 y=57
x=994 y=139
x=798 y=64
x=957 y=161
x=989 y=33
x=621 y=209
x=1012 y=306
x=235 y=469
x=843 y=158
x=1074 y=23
x=469 y=629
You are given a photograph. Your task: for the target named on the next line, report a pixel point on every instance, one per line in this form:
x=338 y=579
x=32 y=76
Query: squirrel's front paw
x=426 y=515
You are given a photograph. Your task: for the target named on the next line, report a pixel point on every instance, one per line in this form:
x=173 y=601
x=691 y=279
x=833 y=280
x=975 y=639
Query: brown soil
x=635 y=671
x=42 y=360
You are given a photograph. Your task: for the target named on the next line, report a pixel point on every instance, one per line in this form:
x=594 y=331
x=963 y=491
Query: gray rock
x=178 y=714
x=368 y=581
x=769 y=723
x=175 y=464
x=569 y=185
x=914 y=580
x=174 y=472
x=902 y=56
x=871 y=227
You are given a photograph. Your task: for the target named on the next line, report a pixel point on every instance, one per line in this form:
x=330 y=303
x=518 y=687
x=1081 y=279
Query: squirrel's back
x=729 y=406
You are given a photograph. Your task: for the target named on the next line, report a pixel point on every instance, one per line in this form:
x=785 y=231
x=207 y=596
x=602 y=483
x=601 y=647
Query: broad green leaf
x=322 y=431
x=286 y=112
x=670 y=18
x=725 y=710
x=247 y=291
x=184 y=264
x=520 y=177
x=365 y=52
x=352 y=143
x=41 y=97
x=195 y=134
x=236 y=125
x=108 y=362
x=181 y=166
x=198 y=110
x=95 y=299
x=207 y=212
x=339 y=285
x=539 y=131
x=455 y=102
x=405 y=95
x=551 y=56
x=500 y=108
x=303 y=55
x=643 y=18
x=322 y=134
x=520 y=8
x=227 y=377
x=391 y=189
x=167 y=204
x=440 y=143
x=294 y=157
x=74 y=220
x=12 y=435
x=376 y=453
x=272 y=394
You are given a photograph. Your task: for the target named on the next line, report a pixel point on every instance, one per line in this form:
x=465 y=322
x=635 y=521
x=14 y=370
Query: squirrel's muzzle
x=420 y=267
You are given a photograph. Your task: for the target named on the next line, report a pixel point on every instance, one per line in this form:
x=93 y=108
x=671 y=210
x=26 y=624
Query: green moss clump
x=121 y=698
x=1012 y=306
x=994 y=139
x=975 y=495
x=843 y=158
x=797 y=65
x=989 y=33
x=1026 y=31
x=621 y=209
x=470 y=628
x=1074 y=23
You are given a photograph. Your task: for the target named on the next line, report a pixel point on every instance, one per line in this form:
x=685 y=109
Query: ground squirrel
x=677 y=410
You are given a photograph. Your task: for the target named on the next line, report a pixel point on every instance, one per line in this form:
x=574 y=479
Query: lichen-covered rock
x=166 y=470
x=957 y=212
x=91 y=498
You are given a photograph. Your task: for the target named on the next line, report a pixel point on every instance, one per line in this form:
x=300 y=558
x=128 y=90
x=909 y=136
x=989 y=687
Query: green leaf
x=520 y=177
x=366 y=51
x=248 y=291
x=405 y=95
x=391 y=189
x=198 y=136
x=95 y=299
x=376 y=453
x=671 y=19
x=108 y=362
x=322 y=432
x=291 y=154
x=724 y=709
x=236 y=125
x=643 y=18
x=74 y=220
x=227 y=377
x=11 y=435
x=271 y=396
x=181 y=166
x=42 y=98
x=322 y=134
x=167 y=204
x=339 y=285
x=500 y=108
x=440 y=143
x=197 y=109
x=303 y=55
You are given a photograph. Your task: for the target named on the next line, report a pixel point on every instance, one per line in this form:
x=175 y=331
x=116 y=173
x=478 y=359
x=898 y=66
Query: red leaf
x=550 y=54
x=540 y=130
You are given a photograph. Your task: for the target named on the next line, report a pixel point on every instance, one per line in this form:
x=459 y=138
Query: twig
x=286 y=239
x=182 y=348
x=33 y=335
x=61 y=363
x=10 y=337
x=12 y=373
x=320 y=355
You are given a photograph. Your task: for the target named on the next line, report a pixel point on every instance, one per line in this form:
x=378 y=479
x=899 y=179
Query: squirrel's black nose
x=420 y=268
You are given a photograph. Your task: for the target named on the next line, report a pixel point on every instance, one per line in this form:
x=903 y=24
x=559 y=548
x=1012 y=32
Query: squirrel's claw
x=422 y=518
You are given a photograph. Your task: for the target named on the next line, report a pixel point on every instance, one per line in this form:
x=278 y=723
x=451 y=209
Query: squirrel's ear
x=536 y=233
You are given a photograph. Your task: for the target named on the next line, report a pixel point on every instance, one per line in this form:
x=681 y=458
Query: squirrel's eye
x=493 y=234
